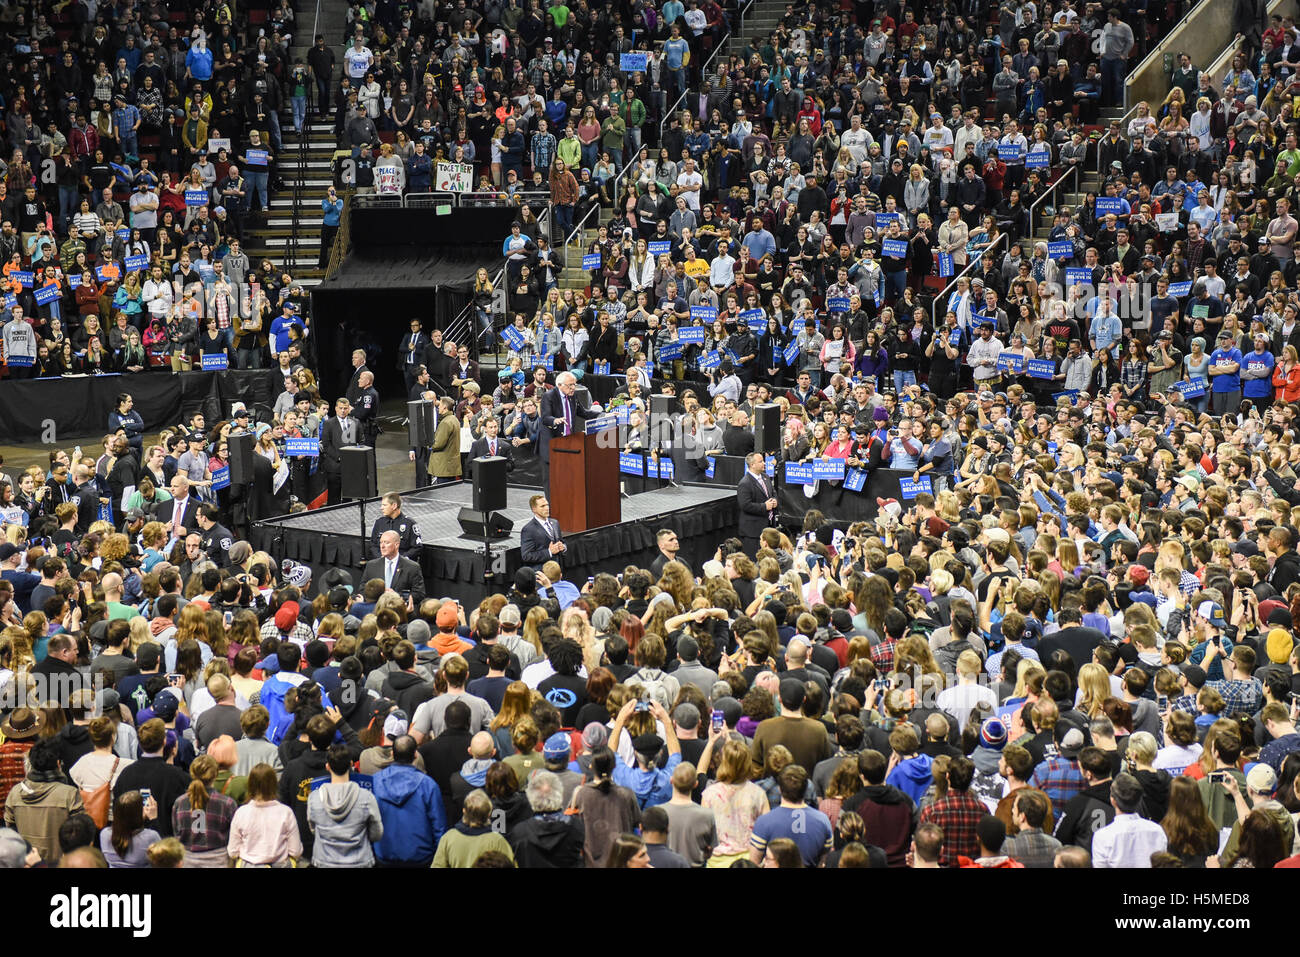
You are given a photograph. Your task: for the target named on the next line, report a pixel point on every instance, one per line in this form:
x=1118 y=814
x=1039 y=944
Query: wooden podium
x=584 y=482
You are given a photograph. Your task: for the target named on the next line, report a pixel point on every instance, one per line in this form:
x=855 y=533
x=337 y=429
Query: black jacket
x=166 y=782
x=408 y=689
x=549 y=841
x=754 y=516
x=1085 y=814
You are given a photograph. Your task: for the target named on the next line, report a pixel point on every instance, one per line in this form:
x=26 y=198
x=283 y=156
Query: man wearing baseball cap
x=1225 y=375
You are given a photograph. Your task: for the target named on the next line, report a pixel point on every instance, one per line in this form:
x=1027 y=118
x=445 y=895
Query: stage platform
x=331 y=537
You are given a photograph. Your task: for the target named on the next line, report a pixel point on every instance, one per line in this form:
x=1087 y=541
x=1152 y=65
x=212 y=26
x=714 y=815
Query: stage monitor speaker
x=483 y=525
x=241 y=458
x=767 y=428
x=357 y=471
x=419 y=424
x=489 y=473
x=582 y=395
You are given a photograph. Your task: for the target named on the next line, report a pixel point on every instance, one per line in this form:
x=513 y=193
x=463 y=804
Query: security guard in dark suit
x=394 y=521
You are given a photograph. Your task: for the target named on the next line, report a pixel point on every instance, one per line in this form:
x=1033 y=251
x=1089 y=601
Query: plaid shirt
x=204 y=830
x=882 y=655
x=1188 y=583
x=959 y=814
x=1032 y=847
x=1187 y=703
x=1060 y=778
x=1240 y=695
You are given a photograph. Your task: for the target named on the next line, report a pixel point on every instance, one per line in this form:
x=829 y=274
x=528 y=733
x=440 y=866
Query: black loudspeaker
x=358 y=471
x=661 y=427
x=241 y=458
x=479 y=524
x=489 y=483
x=419 y=424
x=767 y=428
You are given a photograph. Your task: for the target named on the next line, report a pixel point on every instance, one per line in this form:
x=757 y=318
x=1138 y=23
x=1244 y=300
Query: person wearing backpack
x=275 y=688
x=658 y=684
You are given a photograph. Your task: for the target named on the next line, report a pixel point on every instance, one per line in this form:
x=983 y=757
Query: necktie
x=492 y=447
x=568 y=417
x=178 y=509
x=550 y=530
x=388 y=573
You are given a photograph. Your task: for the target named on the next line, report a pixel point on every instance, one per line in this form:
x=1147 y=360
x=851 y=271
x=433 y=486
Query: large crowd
x=1073 y=646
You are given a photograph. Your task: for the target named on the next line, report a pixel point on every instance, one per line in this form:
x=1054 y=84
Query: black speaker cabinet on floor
x=358 y=471
x=767 y=428
x=241 y=458
x=482 y=526
x=489 y=473
x=661 y=430
x=419 y=423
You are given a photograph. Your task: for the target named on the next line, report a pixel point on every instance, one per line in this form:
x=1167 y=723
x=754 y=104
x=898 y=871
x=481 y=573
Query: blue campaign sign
x=302 y=446
x=633 y=62
x=731 y=354
x=791 y=353
x=1076 y=275
x=954 y=337
x=1191 y=389
x=545 y=361
x=897 y=248
x=1051 y=448
x=20 y=361
x=215 y=362
x=1109 y=204
x=749 y=315
x=1068 y=394
x=657 y=247
x=704 y=313
x=1180 y=289
x=1009 y=150
x=838 y=303
x=798 y=473
x=828 y=469
x=769 y=465
x=1060 y=249
x=663 y=469
x=46 y=295
x=1039 y=159
x=796 y=325
x=23 y=277
x=945 y=265
x=592 y=426
x=137 y=263
x=74 y=281
x=1010 y=362
x=513 y=338
x=909 y=489
x=221 y=478
x=257 y=157
x=883 y=219
x=123 y=234
x=600 y=367
x=710 y=360
x=856 y=480
x=9 y=301
x=670 y=351
x=631 y=463
x=1041 y=368
x=622 y=414
x=708 y=471
x=691 y=335
x=196 y=197
x=591 y=261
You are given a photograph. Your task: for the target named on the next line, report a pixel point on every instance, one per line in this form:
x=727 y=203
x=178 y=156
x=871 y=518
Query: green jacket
x=569 y=149
x=633 y=113
x=612 y=132
x=461 y=846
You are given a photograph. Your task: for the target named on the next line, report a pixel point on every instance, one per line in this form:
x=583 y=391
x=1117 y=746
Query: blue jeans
x=248 y=358
x=299 y=111
x=129 y=143
x=68 y=203
x=1113 y=70
x=564 y=219
x=616 y=157
x=322 y=95
x=895 y=283
x=590 y=153
x=903 y=377
x=257 y=187
x=274 y=117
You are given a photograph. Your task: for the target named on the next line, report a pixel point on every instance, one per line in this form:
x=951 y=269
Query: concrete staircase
x=269 y=237
x=1088 y=181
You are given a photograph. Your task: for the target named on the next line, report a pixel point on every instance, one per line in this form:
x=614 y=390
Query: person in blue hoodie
x=911 y=773
x=410 y=804
x=651 y=784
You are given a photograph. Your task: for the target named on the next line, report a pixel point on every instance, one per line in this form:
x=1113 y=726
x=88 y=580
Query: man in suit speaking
x=400 y=574
x=561 y=415
x=757 y=501
x=539 y=539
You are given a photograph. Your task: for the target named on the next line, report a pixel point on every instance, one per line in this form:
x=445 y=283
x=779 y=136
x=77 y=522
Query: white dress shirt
x=1128 y=841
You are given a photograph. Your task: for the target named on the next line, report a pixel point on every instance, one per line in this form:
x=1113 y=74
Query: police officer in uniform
x=366 y=407
x=393 y=520
x=215 y=539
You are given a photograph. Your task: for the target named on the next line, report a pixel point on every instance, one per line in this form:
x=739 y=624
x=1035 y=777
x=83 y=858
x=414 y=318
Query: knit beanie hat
x=1279 y=645
x=993 y=735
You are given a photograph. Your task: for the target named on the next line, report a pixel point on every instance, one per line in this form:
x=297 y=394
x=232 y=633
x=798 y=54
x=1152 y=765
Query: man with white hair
x=562 y=414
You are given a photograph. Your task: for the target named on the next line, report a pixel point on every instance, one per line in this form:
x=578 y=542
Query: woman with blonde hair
x=735 y=800
x=1094 y=688
x=516 y=703
x=529 y=630
x=201 y=817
